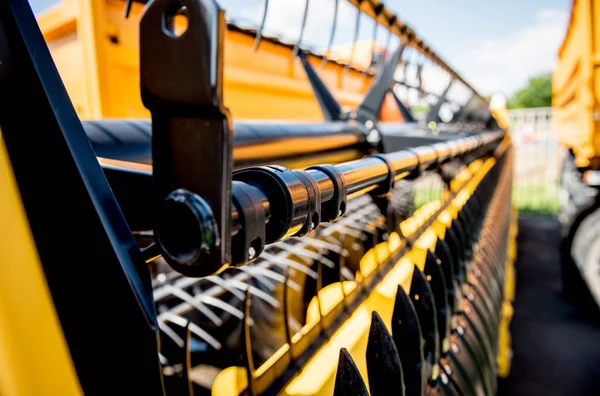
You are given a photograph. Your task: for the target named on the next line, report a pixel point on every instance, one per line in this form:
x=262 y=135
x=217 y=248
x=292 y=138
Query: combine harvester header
x=197 y=251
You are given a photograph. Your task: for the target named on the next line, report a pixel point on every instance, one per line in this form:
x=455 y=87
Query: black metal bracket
x=182 y=85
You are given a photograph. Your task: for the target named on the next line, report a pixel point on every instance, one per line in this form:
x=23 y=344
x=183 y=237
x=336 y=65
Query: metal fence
x=537 y=160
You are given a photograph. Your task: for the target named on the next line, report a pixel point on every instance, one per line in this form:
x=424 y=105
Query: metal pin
x=302 y=27
x=262 y=26
x=332 y=34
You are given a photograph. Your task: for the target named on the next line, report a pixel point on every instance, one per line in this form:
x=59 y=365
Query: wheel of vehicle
x=581 y=276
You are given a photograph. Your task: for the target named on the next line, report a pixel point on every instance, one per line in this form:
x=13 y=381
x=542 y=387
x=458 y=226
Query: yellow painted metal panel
x=264 y=84
x=34 y=358
x=576 y=91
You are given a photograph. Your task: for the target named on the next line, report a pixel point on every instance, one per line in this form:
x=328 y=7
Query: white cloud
x=505 y=64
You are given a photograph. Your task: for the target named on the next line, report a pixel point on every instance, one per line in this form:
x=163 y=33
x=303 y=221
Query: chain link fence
x=537 y=160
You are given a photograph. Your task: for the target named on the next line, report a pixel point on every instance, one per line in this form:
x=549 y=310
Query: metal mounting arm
x=182 y=86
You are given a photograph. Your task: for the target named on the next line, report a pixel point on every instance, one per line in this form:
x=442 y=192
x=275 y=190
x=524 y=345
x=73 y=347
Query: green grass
x=536 y=198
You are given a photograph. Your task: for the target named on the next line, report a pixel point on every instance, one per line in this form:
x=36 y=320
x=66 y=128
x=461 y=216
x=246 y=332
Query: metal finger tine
x=318 y=289
x=171 y=334
x=202 y=334
x=302 y=28
x=188 y=298
x=342 y=267
x=255 y=291
x=247 y=341
x=333 y=241
x=195 y=329
x=354 y=42
x=250 y=271
x=267 y=273
x=329 y=245
x=163 y=360
x=306 y=252
x=262 y=27
x=332 y=34
x=218 y=303
x=217 y=280
x=286 y=311
x=282 y=261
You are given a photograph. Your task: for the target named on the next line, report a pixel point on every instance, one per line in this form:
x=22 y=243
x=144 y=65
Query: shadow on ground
x=555 y=350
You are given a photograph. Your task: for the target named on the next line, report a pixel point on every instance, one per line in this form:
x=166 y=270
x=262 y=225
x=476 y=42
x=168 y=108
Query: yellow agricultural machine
x=195 y=207
x=576 y=115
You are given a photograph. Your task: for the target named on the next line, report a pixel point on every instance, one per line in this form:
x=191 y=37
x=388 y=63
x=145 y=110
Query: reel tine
x=195 y=329
x=247 y=341
x=305 y=252
x=225 y=285
x=256 y=292
x=262 y=27
x=188 y=298
x=329 y=245
x=302 y=28
x=283 y=261
x=250 y=271
x=277 y=277
x=218 y=303
x=373 y=43
x=354 y=42
x=127 y=8
x=179 y=381
x=318 y=298
x=332 y=34
x=348 y=380
x=286 y=312
x=383 y=361
x=171 y=334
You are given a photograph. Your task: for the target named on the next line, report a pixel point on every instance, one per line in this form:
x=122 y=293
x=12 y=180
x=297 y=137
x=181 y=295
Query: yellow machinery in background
x=576 y=85
x=96 y=51
x=576 y=118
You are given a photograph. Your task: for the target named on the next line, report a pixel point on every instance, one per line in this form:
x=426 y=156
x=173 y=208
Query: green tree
x=537 y=93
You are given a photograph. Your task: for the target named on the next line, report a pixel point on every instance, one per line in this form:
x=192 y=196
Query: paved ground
x=556 y=351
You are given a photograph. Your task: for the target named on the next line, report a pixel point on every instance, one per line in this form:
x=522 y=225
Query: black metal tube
x=370 y=173
x=294 y=145
x=133 y=188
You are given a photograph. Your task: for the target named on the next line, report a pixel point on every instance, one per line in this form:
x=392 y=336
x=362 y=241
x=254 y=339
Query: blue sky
x=495 y=45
